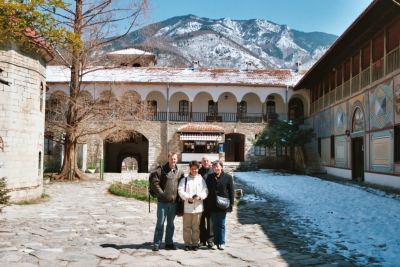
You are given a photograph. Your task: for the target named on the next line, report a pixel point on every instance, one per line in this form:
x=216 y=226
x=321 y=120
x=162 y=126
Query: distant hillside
x=227 y=43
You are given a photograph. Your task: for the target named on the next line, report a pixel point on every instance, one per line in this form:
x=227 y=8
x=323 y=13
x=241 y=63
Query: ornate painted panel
x=357 y=101
x=381 y=106
x=340 y=119
x=396 y=87
x=324 y=124
x=340 y=151
x=381 y=154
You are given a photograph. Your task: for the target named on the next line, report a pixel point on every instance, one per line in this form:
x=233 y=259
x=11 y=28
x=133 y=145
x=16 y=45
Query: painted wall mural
x=340 y=120
x=340 y=151
x=382 y=151
x=381 y=106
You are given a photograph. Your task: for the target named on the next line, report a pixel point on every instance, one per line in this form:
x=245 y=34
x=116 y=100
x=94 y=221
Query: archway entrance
x=357 y=145
x=234 y=147
x=296 y=108
x=133 y=152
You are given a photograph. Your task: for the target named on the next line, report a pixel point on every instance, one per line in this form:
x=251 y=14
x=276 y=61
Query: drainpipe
x=166 y=127
x=287 y=103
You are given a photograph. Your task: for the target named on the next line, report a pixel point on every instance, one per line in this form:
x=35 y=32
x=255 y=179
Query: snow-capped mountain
x=227 y=43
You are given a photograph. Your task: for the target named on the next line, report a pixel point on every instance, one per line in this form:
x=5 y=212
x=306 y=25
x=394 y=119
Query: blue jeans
x=165 y=211
x=218 y=222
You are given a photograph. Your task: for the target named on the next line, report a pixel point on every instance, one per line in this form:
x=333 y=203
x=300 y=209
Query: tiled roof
x=39 y=41
x=257 y=77
x=205 y=128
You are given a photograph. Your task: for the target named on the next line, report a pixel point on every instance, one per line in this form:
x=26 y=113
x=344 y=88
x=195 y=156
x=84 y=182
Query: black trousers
x=206 y=229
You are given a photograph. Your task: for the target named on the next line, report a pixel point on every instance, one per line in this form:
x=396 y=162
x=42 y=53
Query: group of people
x=207 y=193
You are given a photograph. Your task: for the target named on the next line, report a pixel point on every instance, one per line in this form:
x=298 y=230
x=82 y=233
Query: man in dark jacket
x=206 y=231
x=165 y=185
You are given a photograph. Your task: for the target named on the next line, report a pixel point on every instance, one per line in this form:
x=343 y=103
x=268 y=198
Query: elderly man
x=206 y=231
x=164 y=183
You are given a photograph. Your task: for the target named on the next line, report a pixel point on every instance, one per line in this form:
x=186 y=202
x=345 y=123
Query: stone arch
x=280 y=106
x=357 y=118
x=295 y=108
x=254 y=104
x=200 y=102
x=304 y=100
x=227 y=107
x=160 y=98
x=135 y=145
x=174 y=101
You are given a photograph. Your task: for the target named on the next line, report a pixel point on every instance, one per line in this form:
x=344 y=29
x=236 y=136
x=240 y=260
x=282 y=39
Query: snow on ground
x=367 y=222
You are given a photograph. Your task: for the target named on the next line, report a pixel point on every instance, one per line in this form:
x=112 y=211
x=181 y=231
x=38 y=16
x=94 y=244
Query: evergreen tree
x=285 y=133
x=4 y=197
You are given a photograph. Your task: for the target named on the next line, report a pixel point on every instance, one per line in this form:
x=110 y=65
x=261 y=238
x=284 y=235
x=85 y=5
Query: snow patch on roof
x=130 y=51
x=256 y=77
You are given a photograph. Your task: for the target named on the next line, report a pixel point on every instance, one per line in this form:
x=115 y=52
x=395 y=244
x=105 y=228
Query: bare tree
x=93 y=24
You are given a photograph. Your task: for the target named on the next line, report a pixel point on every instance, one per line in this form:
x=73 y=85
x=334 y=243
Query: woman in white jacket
x=192 y=189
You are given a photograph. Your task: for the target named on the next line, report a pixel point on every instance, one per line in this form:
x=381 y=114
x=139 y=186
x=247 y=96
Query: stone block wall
x=163 y=137
x=22 y=122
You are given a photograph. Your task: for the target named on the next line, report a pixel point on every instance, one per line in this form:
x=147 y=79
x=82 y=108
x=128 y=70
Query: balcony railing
x=377 y=70
x=346 y=88
x=219 y=117
x=355 y=84
x=365 y=77
x=393 y=60
x=380 y=68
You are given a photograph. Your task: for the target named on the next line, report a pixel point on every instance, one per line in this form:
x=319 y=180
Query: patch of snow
x=365 y=223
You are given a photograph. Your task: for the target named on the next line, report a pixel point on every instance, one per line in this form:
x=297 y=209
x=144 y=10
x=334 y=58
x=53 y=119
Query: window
x=41 y=96
x=40 y=163
x=152 y=106
x=212 y=107
x=242 y=108
x=48 y=146
x=397 y=143
x=259 y=151
x=332 y=146
x=271 y=108
x=183 y=107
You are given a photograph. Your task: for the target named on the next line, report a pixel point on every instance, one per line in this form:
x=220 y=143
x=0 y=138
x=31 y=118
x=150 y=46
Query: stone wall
x=22 y=122
x=163 y=137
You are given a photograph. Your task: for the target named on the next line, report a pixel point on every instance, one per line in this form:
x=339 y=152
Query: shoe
x=170 y=247
x=195 y=248
x=221 y=247
x=156 y=248
x=212 y=247
x=210 y=244
x=187 y=248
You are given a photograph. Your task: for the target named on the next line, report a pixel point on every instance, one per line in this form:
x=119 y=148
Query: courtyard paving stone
x=83 y=225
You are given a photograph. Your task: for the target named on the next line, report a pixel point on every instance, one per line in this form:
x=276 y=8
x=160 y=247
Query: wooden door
x=357 y=161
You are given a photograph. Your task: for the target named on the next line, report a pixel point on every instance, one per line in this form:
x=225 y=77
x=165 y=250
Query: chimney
x=249 y=66
x=297 y=67
x=195 y=64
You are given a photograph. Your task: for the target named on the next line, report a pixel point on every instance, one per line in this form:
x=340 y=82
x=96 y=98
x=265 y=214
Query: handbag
x=223 y=202
x=180 y=203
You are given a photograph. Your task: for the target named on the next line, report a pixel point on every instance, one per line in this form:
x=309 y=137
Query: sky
x=330 y=16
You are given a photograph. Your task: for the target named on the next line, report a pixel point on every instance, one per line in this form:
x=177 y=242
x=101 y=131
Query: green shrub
x=4 y=197
x=134 y=189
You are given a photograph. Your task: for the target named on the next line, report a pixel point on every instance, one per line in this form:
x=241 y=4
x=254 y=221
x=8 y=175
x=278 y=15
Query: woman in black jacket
x=219 y=184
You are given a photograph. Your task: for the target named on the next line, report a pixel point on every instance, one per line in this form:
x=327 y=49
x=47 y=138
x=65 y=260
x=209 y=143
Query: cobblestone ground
x=69 y=229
